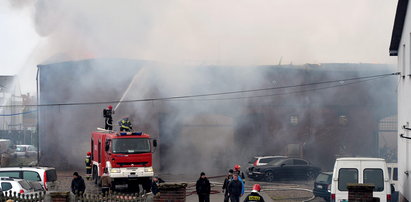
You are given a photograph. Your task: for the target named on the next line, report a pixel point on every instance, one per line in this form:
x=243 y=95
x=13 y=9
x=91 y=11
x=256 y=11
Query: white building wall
x=404 y=109
x=11 y=96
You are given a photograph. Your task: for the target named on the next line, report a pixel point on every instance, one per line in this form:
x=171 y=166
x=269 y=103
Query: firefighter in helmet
x=240 y=174
x=125 y=125
x=88 y=165
x=107 y=113
x=255 y=194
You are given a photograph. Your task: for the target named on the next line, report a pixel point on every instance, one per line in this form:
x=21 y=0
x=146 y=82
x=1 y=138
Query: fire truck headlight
x=148 y=169
x=115 y=170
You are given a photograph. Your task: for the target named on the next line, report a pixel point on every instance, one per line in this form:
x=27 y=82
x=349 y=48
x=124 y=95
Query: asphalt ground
x=274 y=191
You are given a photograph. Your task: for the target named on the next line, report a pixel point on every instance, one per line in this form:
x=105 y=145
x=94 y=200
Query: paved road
x=220 y=197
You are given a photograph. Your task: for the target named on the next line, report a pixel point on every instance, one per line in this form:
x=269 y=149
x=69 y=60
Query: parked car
x=45 y=175
x=26 y=150
x=393 y=173
x=284 y=168
x=15 y=185
x=363 y=171
x=322 y=185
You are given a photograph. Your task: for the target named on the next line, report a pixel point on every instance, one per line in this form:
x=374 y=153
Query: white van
x=363 y=171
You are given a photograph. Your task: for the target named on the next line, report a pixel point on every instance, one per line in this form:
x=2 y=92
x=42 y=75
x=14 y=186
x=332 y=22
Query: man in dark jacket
x=225 y=184
x=234 y=189
x=77 y=184
x=203 y=188
x=254 y=195
x=154 y=184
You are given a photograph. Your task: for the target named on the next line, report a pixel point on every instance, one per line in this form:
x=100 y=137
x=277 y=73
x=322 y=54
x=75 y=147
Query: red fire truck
x=125 y=156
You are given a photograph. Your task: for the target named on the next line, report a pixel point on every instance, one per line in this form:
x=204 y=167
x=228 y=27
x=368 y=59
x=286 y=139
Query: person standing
x=105 y=183
x=203 y=188
x=235 y=188
x=125 y=125
x=227 y=180
x=237 y=168
x=107 y=113
x=255 y=194
x=77 y=184
x=87 y=161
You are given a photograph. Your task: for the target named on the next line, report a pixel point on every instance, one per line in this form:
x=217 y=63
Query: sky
x=230 y=32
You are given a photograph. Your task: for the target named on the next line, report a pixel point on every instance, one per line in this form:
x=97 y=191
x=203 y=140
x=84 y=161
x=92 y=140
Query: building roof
x=398 y=26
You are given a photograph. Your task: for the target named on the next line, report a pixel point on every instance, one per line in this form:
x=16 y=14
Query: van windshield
x=131 y=145
x=375 y=177
x=347 y=176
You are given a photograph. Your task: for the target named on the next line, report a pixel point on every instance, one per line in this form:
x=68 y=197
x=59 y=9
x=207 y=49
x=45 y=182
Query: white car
x=18 y=186
x=263 y=160
x=44 y=175
x=26 y=150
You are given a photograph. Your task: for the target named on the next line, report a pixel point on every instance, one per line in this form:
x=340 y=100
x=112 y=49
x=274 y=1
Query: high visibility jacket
x=88 y=162
x=254 y=196
x=125 y=125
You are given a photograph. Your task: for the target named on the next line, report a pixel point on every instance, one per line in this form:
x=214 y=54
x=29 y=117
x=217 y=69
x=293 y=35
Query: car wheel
x=310 y=175
x=269 y=176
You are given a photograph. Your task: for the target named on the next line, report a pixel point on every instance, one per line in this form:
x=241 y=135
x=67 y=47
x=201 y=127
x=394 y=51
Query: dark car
x=322 y=185
x=284 y=168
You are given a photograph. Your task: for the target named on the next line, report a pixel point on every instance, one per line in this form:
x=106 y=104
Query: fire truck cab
x=125 y=156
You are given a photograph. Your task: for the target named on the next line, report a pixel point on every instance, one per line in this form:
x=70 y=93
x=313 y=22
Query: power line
x=340 y=81
x=284 y=93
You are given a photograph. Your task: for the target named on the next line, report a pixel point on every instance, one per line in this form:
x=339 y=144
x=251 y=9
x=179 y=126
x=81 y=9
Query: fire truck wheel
x=146 y=184
x=134 y=187
x=95 y=175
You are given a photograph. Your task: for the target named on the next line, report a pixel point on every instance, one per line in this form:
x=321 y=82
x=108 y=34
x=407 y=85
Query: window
x=6 y=186
x=13 y=174
x=323 y=178
x=288 y=162
x=403 y=61
x=300 y=162
x=294 y=120
x=131 y=145
x=25 y=185
x=31 y=176
x=266 y=160
x=374 y=176
x=252 y=160
x=347 y=176
x=389 y=173
x=51 y=175
x=395 y=174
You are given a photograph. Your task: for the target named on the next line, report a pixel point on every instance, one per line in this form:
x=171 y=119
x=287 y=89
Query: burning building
x=211 y=117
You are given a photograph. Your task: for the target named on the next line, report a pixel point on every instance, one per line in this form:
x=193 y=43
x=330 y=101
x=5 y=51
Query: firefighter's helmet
x=110 y=107
x=88 y=153
x=237 y=167
x=256 y=187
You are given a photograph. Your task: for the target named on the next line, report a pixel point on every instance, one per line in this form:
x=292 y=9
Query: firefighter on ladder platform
x=125 y=125
x=88 y=165
x=107 y=113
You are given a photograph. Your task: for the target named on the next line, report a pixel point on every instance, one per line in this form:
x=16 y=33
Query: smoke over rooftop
x=206 y=47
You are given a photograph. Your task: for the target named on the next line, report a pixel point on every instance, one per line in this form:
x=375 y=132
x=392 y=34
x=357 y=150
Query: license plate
x=319 y=186
x=132 y=176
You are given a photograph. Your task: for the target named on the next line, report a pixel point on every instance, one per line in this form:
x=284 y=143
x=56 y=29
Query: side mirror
x=154 y=143
x=282 y=165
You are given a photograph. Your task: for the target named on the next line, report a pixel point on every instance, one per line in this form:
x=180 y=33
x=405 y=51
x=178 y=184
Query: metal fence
x=13 y=196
